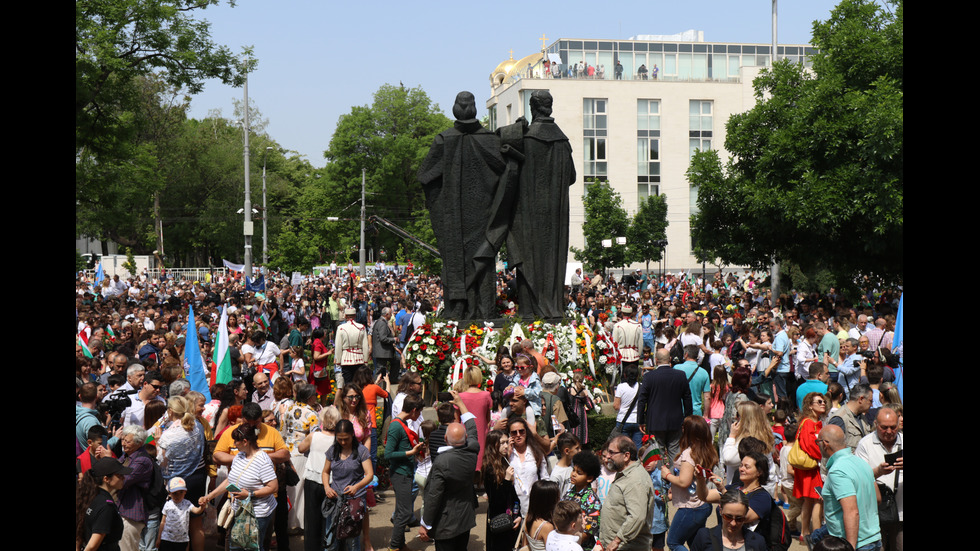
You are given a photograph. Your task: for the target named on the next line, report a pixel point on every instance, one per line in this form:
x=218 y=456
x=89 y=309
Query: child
x=585 y=470
x=297 y=369
x=567 y=518
x=647 y=358
x=568 y=446
x=175 y=521
x=784 y=491
x=659 y=526
x=96 y=439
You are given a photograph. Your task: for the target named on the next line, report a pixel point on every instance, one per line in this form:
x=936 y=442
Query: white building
x=637 y=126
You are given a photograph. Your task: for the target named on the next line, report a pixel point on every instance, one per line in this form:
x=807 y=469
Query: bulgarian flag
x=652 y=454
x=111 y=333
x=193 y=360
x=263 y=320
x=83 y=341
x=222 y=358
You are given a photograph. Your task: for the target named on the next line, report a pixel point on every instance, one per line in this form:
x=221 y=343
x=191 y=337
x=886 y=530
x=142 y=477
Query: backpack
x=677 y=353
x=775 y=530
x=156 y=493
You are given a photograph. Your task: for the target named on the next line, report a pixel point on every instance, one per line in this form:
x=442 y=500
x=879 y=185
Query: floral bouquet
x=607 y=353
x=430 y=349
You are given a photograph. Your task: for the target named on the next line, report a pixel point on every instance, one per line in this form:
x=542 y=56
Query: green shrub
x=599 y=428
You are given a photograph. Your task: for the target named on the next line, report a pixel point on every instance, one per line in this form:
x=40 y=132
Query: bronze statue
x=460 y=177
x=537 y=243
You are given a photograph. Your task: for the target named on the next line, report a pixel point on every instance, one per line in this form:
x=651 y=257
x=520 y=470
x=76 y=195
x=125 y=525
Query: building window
x=647 y=148
x=493 y=118
x=700 y=125
x=594 y=122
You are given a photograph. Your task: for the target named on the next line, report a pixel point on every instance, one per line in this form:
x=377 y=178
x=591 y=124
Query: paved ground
x=381 y=529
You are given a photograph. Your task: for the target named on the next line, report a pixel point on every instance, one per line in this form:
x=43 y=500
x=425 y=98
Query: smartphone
x=890 y=458
x=233 y=488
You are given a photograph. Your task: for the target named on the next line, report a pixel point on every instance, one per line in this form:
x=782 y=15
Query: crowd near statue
x=484 y=188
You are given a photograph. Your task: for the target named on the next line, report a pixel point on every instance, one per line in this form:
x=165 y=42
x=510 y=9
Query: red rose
x=441 y=356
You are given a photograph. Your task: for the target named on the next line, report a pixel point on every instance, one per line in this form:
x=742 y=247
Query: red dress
x=806 y=481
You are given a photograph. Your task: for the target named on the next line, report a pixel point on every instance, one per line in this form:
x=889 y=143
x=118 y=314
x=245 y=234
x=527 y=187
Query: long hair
x=493 y=462
x=753 y=422
x=342 y=427
x=359 y=411
x=533 y=441
x=807 y=409
x=544 y=496
x=184 y=411
x=696 y=435
x=85 y=491
x=719 y=383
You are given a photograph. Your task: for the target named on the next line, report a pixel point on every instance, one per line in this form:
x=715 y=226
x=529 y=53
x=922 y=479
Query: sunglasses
x=518 y=432
x=737 y=518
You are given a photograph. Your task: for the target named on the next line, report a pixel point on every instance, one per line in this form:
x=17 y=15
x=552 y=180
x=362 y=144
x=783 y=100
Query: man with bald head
x=850 y=495
x=874 y=449
x=449 y=513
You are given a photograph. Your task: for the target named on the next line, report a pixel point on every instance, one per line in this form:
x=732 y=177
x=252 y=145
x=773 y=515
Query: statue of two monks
x=482 y=188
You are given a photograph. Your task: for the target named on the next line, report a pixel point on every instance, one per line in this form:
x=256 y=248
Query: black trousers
x=454 y=544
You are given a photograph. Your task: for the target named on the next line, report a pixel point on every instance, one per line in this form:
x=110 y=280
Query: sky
x=319 y=58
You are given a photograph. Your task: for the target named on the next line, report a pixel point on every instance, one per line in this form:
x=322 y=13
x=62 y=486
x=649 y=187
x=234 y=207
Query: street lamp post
x=248 y=228
x=265 y=213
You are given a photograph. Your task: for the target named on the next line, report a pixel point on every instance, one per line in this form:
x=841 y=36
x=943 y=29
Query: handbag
x=888 y=507
x=501 y=524
x=350 y=518
x=226 y=516
x=245 y=531
x=799 y=458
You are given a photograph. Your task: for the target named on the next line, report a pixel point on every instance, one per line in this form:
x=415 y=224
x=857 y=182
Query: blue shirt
x=699 y=384
x=849 y=475
x=811 y=385
x=782 y=344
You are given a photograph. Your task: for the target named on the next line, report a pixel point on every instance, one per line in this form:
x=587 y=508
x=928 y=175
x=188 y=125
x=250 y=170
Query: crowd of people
x=727 y=396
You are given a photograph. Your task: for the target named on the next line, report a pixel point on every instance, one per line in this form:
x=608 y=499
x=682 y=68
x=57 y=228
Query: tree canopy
x=605 y=218
x=648 y=226
x=817 y=170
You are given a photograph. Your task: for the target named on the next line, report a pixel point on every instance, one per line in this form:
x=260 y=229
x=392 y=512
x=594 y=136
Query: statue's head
x=465 y=107
x=540 y=102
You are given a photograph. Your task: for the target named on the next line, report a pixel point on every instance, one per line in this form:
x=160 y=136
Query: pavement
x=381 y=528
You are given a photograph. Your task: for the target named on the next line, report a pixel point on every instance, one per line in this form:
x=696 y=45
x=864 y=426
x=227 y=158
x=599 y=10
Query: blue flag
x=258 y=284
x=897 y=341
x=193 y=361
x=99 y=274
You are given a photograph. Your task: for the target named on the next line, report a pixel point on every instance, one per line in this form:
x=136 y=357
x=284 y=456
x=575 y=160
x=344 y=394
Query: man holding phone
x=883 y=450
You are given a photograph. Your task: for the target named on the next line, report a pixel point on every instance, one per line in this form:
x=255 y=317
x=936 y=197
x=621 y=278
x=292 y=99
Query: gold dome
x=510 y=67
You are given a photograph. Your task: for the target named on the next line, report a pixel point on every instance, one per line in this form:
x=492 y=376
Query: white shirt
x=626 y=394
x=873 y=452
x=526 y=473
x=562 y=542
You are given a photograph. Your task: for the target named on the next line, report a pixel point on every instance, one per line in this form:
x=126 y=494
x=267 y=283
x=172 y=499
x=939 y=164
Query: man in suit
x=383 y=346
x=450 y=502
x=664 y=402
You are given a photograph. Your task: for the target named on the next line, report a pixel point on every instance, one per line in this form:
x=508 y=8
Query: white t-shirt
x=178 y=521
x=690 y=338
x=626 y=394
x=265 y=354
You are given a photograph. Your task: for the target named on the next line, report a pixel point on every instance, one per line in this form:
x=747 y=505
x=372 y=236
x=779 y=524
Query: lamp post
x=265 y=212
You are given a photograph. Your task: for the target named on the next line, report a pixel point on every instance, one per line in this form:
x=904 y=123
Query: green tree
x=605 y=218
x=117 y=42
x=648 y=225
x=388 y=138
x=817 y=170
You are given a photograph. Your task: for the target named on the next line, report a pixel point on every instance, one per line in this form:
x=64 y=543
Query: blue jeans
x=374 y=449
x=685 y=526
x=632 y=430
x=148 y=540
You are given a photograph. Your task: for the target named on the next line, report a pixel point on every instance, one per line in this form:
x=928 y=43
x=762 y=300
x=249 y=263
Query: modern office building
x=637 y=125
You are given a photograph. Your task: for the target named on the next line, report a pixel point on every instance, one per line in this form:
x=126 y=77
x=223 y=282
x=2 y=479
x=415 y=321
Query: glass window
x=684 y=66
x=670 y=64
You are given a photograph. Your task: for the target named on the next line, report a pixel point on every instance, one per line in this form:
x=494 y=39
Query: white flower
x=602 y=359
x=415 y=347
x=427 y=360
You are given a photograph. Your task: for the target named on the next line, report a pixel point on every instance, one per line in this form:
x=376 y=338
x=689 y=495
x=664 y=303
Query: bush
x=599 y=428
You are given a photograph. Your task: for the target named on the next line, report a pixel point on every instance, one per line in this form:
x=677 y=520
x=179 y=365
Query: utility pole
x=363 y=215
x=248 y=229
x=774 y=269
x=265 y=213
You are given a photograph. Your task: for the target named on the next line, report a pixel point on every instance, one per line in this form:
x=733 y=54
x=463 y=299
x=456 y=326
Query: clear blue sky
x=318 y=58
